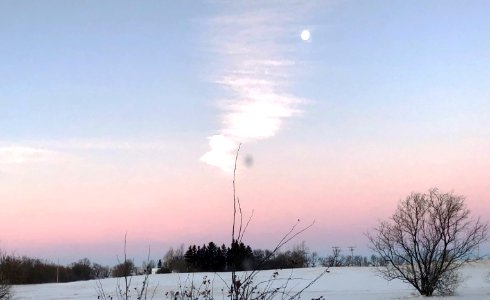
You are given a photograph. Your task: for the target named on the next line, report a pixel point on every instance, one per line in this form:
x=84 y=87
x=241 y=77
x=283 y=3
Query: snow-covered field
x=340 y=283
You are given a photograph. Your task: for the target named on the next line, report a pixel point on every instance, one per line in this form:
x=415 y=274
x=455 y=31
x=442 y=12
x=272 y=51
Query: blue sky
x=145 y=68
x=101 y=70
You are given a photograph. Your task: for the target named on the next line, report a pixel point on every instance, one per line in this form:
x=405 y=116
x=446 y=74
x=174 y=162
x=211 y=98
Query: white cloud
x=16 y=155
x=258 y=118
x=22 y=153
x=257 y=70
x=107 y=145
x=222 y=151
x=80 y=144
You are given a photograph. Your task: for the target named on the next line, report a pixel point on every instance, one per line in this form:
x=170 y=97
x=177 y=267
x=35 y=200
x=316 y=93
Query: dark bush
x=124 y=269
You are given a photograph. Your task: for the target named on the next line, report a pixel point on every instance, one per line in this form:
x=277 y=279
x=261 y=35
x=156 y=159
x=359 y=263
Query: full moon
x=305 y=35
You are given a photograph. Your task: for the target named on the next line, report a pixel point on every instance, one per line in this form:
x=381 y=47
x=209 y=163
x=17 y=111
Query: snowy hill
x=341 y=283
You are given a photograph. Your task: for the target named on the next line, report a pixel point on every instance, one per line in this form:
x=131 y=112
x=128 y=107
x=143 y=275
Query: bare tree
x=427 y=240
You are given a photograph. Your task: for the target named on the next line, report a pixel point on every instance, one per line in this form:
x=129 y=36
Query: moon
x=305 y=35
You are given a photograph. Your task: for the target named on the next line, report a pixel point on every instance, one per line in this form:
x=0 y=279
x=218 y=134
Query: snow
x=341 y=283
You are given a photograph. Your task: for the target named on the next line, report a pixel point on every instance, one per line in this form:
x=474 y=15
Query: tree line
x=205 y=258
x=27 y=270
x=208 y=258
x=240 y=257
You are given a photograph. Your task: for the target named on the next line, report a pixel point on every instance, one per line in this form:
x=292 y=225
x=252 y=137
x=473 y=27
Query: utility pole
x=336 y=254
x=351 y=248
x=58 y=271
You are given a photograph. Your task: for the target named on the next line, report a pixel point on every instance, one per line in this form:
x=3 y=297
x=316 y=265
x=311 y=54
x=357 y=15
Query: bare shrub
x=426 y=241
x=125 y=289
x=244 y=286
x=190 y=289
x=5 y=292
x=247 y=285
x=4 y=289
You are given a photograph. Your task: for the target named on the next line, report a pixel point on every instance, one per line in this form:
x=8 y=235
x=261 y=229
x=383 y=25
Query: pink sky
x=79 y=209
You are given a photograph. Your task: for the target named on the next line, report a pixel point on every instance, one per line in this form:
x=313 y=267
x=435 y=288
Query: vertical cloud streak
x=257 y=72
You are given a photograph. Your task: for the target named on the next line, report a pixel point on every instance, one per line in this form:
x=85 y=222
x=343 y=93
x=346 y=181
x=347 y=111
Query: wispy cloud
x=105 y=144
x=257 y=71
x=16 y=155
x=22 y=153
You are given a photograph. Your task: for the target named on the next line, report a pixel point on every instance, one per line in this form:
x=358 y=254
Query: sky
x=124 y=117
